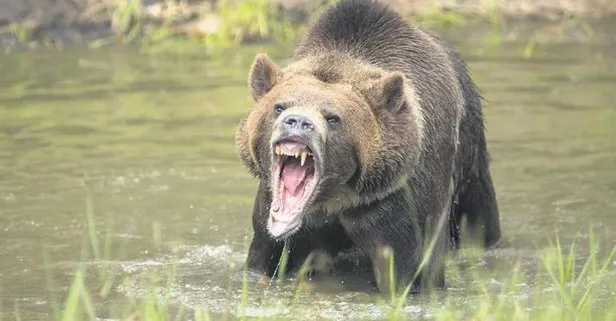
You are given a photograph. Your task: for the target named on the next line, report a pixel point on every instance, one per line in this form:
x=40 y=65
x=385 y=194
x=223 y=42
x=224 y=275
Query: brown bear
x=371 y=138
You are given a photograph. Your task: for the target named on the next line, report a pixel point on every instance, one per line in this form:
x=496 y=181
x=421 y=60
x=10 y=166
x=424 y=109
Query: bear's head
x=327 y=134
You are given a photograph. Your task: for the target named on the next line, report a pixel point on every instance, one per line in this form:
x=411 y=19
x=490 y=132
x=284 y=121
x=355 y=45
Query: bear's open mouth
x=294 y=180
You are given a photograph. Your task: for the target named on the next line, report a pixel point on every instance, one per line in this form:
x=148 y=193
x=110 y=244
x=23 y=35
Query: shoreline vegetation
x=58 y=24
x=564 y=286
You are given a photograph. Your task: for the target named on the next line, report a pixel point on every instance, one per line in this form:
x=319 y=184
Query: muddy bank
x=55 y=23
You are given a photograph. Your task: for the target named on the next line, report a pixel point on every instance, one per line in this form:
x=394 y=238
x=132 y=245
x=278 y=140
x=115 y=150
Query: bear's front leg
x=388 y=226
x=264 y=252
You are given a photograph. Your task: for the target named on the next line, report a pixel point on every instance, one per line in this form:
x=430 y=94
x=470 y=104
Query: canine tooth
x=304 y=156
x=278 y=150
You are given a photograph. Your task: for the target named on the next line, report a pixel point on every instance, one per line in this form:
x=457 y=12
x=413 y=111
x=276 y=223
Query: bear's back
x=363 y=28
x=371 y=31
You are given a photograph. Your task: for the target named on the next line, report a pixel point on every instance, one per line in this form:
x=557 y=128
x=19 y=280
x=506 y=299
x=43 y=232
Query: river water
x=150 y=138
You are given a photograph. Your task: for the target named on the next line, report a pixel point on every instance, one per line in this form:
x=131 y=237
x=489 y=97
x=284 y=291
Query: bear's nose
x=298 y=122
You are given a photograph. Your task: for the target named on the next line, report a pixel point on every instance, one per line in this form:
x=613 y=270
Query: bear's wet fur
x=394 y=126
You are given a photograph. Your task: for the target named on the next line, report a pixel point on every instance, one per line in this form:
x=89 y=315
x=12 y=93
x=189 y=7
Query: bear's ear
x=391 y=91
x=264 y=74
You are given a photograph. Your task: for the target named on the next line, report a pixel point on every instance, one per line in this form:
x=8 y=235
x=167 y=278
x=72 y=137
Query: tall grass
x=563 y=289
x=226 y=24
x=230 y=23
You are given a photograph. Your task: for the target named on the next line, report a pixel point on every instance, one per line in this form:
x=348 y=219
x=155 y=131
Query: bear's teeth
x=280 y=150
x=304 y=156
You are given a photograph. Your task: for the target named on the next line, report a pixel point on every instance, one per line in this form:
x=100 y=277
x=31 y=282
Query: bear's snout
x=298 y=123
x=301 y=123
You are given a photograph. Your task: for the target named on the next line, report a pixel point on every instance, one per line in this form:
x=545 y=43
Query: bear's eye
x=279 y=108
x=333 y=119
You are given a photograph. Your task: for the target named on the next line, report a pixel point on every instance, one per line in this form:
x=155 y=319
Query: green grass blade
x=92 y=230
x=284 y=259
x=71 y=306
x=87 y=301
x=55 y=309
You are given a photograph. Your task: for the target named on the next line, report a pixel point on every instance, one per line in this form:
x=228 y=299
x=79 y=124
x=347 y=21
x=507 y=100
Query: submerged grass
x=563 y=289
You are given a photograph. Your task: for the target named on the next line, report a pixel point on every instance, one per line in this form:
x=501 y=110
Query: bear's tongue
x=295 y=184
x=293 y=175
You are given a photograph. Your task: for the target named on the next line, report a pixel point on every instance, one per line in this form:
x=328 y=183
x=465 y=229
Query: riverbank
x=28 y=24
